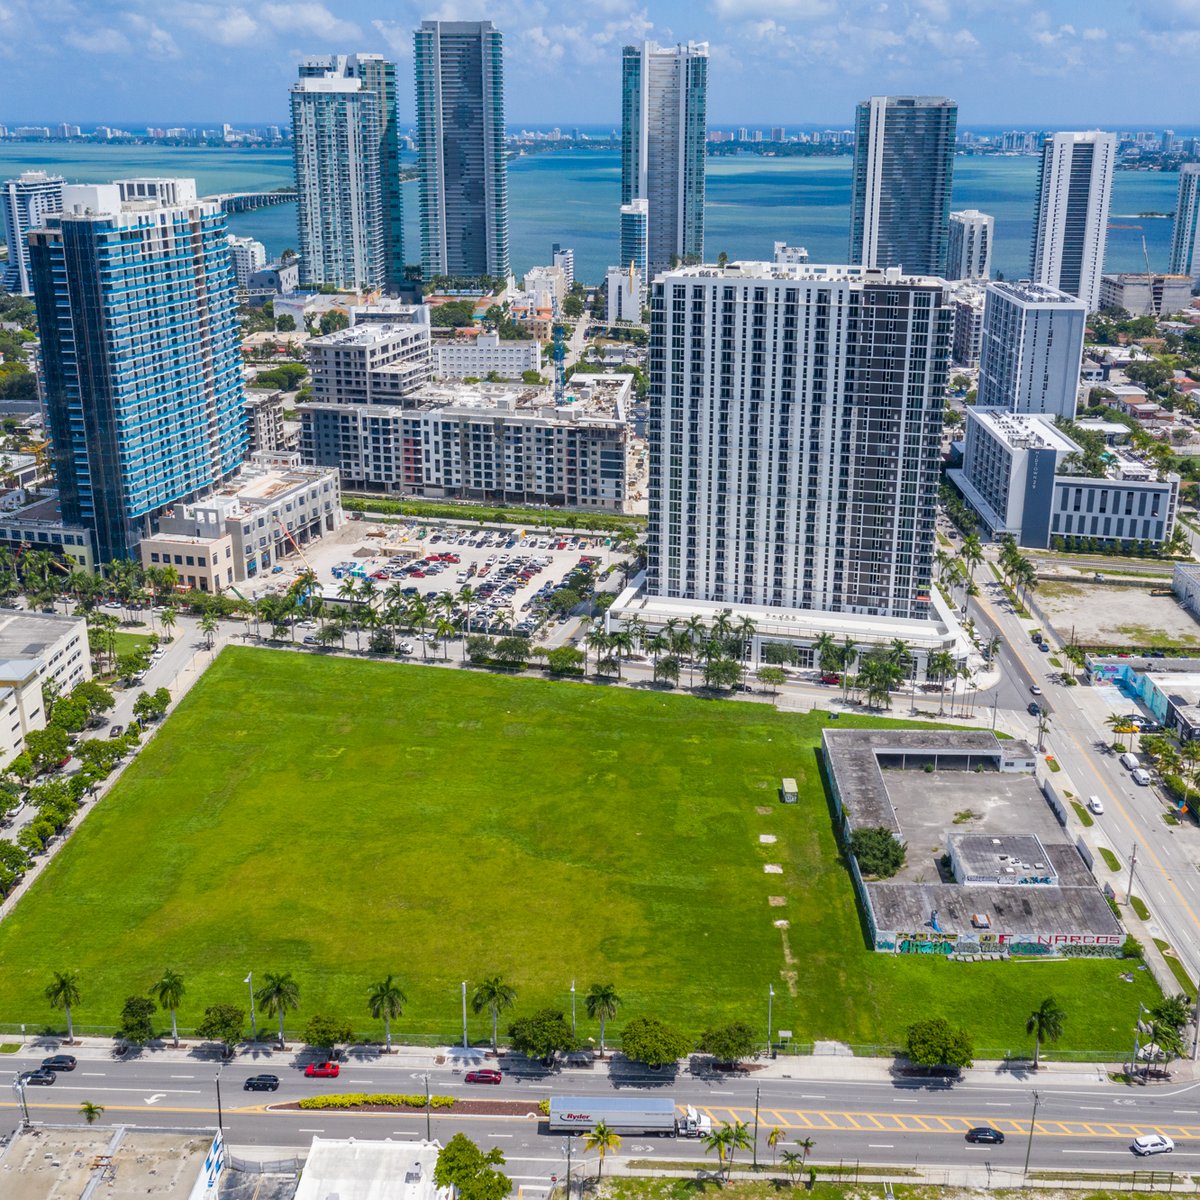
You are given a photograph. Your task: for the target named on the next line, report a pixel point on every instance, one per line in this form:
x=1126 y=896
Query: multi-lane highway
x=1082 y=1121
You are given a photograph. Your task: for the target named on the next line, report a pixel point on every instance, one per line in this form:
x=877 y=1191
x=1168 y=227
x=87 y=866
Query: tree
x=1175 y=1011
x=222 y=1023
x=461 y=1165
x=666 y=670
x=806 y=1148
x=63 y=992
x=1046 y=1024
x=572 y=307
x=169 y=992
x=773 y=677
x=386 y=1000
x=793 y=1163
x=511 y=651
x=647 y=1040
x=565 y=660
x=46 y=747
x=727 y=1139
x=722 y=673
x=602 y=1003
x=496 y=996
x=604 y=1139
x=325 y=1032
x=717 y=1139
x=333 y=321
x=878 y=851
x=774 y=1137
x=543 y=1035
x=934 y=1042
x=729 y=1043
x=208 y=627
x=278 y=994
x=137 y=1020
x=90 y=1112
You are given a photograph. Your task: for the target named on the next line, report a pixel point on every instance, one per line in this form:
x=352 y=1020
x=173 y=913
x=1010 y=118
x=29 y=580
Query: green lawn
x=127 y=643
x=341 y=820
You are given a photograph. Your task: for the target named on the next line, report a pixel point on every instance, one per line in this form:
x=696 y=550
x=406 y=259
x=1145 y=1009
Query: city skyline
x=807 y=60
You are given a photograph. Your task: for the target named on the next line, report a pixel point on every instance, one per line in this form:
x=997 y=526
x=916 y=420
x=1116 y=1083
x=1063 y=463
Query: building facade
x=485 y=354
x=903 y=169
x=635 y=227
x=563 y=257
x=141 y=357
x=247 y=256
x=968 y=326
x=1070 y=227
x=1142 y=295
x=272 y=508
x=1185 y=235
x=25 y=202
x=1031 y=350
x=459 y=68
x=1017 y=474
x=969 y=254
x=337 y=132
x=795 y=421
x=664 y=106
x=492 y=445
x=625 y=295
x=374 y=361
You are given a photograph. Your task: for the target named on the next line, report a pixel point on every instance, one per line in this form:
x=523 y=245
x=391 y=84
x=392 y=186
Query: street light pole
x=220 y=1114
x=770 y=1018
x=464 y=1006
x=19 y=1088
x=756 y=1091
x=428 y=1129
x=1032 y=1126
x=1132 y=866
x=249 y=981
x=572 y=1008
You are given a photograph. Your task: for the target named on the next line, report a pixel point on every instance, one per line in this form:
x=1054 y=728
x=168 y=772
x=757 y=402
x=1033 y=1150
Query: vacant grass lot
x=341 y=820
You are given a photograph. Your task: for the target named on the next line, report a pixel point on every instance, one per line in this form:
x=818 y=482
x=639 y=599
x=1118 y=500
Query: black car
x=40 y=1076
x=1034 y=709
x=59 y=1062
x=261 y=1083
x=985 y=1135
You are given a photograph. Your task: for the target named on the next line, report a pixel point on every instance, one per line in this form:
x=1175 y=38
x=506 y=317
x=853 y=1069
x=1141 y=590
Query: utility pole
x=464 y=1006
x=770 y=1007
x=1196 y=1027
x=428 y=1130
x=1132 y=866
x=1032 y=1126
x=568 y=1166
x=220 y=1115
x=572 y=1008
x=249 y=981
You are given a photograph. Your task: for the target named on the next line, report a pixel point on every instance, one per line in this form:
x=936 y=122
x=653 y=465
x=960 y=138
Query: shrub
x=393 y=1099
x=878 y=851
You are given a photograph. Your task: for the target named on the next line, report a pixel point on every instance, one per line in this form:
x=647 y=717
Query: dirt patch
x=776 y=901
x=474 y=1108
x=763 y=810
x=1125 y=618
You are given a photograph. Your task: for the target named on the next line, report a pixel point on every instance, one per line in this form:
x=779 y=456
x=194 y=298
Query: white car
x=1096 y=805
x=1152 y=1143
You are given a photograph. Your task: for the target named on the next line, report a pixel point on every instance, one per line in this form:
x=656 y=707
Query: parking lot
x=512 y=573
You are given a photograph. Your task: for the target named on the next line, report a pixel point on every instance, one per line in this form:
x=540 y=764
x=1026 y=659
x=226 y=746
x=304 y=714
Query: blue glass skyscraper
x=140 y=355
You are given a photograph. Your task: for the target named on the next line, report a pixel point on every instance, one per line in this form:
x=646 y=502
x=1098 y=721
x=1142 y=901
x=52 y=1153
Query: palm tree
x=169 y=992
x=695 y=632
x=602 y=1004
x=494 y=995
x=63 y=992
x=1119 y=724
x=940 y=665
x=774 y=1137
x=972 y=553
x=847 y=653
x=825 y=654
x=1046 y=1024
x=746 y=629
x=90 y=1112
x=168 y=622
x=739 y=1139
x=718 y=1140
x=278 y=994
x=604 y=1139
x=806 y=1148
x=386 y=999
x=208 y=627
x=793 y=1163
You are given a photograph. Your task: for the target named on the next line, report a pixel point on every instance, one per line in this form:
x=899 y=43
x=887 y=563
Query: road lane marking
x=1091 y=1108
x=183 y=1077
x=997 y=1104
x=880 y=1146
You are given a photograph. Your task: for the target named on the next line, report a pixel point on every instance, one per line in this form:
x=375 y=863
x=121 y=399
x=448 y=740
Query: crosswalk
x=816 y=1120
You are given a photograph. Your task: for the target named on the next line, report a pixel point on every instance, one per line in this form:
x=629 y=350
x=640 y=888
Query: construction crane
x=1145 y=252
x=287 y=533
x=560 y=361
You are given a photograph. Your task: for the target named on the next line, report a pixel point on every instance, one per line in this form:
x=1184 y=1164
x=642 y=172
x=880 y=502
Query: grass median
x=342 y=820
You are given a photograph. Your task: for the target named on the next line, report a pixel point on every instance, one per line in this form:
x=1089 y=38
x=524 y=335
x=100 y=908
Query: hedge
x=549 y=518
x=394 y=1100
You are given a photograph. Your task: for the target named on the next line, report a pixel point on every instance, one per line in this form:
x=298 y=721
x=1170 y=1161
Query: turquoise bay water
x=571 y=196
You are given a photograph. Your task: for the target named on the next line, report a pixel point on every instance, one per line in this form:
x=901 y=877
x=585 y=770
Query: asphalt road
x=868 y=1121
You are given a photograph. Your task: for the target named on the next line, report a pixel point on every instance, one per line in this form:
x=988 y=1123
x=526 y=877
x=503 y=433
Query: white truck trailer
x=626 y=1115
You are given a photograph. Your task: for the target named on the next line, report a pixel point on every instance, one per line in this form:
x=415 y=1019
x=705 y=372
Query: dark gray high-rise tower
x=903 y=168
x=459 y=67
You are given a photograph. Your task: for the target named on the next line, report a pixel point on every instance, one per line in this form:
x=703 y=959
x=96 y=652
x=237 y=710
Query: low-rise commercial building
x=36 y=648
x=484 y=354
x=1142 y=295
x=264 y=421
x=1010 y=884
x=490 y=443
x=270 y=509
x=354 y=1169
x=29 y=522
x=381 y=358
x=277 y=278
x=1019 y=473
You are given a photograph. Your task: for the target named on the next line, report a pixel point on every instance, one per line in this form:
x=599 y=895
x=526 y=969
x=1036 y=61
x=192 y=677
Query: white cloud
x=397 y=34
x=98 y=41
x=313 y=19
x=157 y=41
x=1094 y=35
x=800 y=10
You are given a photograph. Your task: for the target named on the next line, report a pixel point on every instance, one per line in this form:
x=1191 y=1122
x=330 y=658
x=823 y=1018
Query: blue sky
x=1015 y=62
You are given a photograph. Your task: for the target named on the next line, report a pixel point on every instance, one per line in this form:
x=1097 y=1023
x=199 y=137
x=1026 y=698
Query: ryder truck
x=626 y=1115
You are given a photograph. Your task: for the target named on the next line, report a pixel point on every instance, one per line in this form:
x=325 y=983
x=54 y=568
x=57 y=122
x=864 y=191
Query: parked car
x=39 y=1077
x=831 y=678
x=985 y=1135
x=486 y=1076
x=1152 y=1143
x=59 y=1062
x=323 y=1070
x=261 y=1083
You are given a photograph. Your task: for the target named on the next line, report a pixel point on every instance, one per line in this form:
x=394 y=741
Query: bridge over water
x=237 y=202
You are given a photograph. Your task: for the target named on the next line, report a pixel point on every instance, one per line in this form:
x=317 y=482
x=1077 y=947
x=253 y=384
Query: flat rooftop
x=359 y=1170
x=58 y=1163
x=26 y=635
